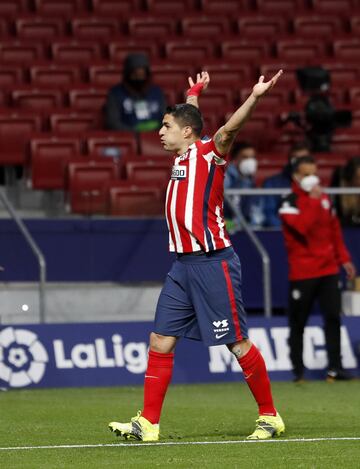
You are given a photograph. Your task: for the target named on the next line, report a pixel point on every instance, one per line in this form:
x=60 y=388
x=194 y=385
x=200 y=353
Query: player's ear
x=187 y=131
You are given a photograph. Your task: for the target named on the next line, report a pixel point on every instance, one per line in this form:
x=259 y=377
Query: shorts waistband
x=202 y=256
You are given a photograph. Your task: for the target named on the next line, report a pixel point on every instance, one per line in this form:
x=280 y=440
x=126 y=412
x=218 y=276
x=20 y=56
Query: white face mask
x=248 y=166
x=308 y=183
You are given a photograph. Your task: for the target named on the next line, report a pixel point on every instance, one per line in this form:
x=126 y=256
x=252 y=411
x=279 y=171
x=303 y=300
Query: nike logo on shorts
x=218 y=336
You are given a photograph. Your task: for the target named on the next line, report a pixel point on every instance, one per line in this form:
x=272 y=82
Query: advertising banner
x=115 y=354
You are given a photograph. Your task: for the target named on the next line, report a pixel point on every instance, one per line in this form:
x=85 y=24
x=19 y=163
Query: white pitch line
x=181 y=443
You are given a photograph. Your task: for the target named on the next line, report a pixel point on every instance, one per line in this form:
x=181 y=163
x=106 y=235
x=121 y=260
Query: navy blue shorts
x=201 y=299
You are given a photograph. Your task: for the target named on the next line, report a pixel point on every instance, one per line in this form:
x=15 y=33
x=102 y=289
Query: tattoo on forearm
x=218 y=138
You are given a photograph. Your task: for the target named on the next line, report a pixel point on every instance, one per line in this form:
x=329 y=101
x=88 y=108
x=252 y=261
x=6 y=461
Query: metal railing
x=35 y=249
x=230 y=194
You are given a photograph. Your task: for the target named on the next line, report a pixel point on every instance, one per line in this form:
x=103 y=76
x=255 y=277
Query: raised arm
x=226 y=135
x=193 y=93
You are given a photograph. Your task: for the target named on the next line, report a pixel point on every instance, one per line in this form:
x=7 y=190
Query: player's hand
x=316 y=192
x=262 y=87
x=202 y=82
x=350 y=270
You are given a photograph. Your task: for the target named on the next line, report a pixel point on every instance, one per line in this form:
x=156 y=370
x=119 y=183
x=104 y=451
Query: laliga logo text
x=22 y=357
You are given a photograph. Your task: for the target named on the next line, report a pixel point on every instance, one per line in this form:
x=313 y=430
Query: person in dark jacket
x=135 y=103
x=271 y=203
x=240 y=174
x=316 y=250
x=348 y=205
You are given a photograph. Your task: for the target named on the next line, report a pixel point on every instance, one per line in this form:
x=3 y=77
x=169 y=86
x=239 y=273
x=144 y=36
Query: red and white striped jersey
x=195 y=200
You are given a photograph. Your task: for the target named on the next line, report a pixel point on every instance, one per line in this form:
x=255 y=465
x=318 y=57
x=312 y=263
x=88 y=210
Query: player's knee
x=241 y=348
x=162 y=344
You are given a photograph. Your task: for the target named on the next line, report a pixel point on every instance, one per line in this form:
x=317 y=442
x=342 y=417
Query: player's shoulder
x=206 y=146
x=289 y=204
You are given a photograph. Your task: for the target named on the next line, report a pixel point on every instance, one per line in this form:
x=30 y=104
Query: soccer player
x=201 y=298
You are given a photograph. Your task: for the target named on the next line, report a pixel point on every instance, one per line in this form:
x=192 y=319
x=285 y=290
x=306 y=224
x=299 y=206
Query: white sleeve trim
x=289 y=211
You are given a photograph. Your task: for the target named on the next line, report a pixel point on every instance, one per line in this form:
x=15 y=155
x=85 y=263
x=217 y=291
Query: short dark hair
x=350 y=168
x=187 y=114
x=238 y=147
x=299 y=146
x=301 y=160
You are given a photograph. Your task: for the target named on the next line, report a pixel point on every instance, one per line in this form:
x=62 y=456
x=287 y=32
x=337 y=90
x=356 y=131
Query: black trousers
x=302 y=294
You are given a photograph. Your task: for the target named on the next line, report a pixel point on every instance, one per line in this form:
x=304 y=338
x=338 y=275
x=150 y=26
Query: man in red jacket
x=316 y=251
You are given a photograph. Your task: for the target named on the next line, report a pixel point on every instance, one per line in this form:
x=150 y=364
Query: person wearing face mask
x=271 y=203
x=135 y=103
x=241 y=175
x=316 y=251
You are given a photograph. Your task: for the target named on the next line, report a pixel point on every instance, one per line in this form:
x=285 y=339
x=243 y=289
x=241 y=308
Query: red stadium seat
x=154 y=170
x=212 y=122
x=150 y=145
x=131 y=198
x=317 y=26
x=258 y=129
x=59 y=7
x=244 y=50
x=151 y=26
x=37 y=99
x=300 y=50
x=92 y=28
x=354 y=96
x=166 y=74
x=356 y=119
x=271 y=67
x=4 y=28
x=105 y=74
x=4 y=98
x=275 y=99
x=118 y=50
x=333 y=6
x=49 y=157
x=15 y=128
x=20 y=52
x=225 y=75
x=224 y=7
x=88 y=184
x=261 y=26
x=217 y=98
x=30 y=27
x=346 y=143
x=325 y=174
x=347 y=49
x=68 y=51
x=279 y=7
x=355 y=25
x=174 y=7
x=12 y=8
x=11 y=75
x=342 y=72
x=172 y=96
x=204 y=26
x=188 y=51
x=111 y=144
x=50 y=75
x=115 y=8
x=70 y=122
x=85 y=98
x=267 y=159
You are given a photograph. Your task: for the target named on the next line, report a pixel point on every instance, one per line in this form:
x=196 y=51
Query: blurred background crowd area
x=66 y=146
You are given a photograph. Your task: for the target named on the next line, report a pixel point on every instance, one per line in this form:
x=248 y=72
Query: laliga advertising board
x=106 y=354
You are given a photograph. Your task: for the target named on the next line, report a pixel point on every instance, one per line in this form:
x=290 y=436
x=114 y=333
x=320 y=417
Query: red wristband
x=195 y=90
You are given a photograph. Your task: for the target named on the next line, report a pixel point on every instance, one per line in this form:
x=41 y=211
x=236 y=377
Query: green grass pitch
x=192 y=413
